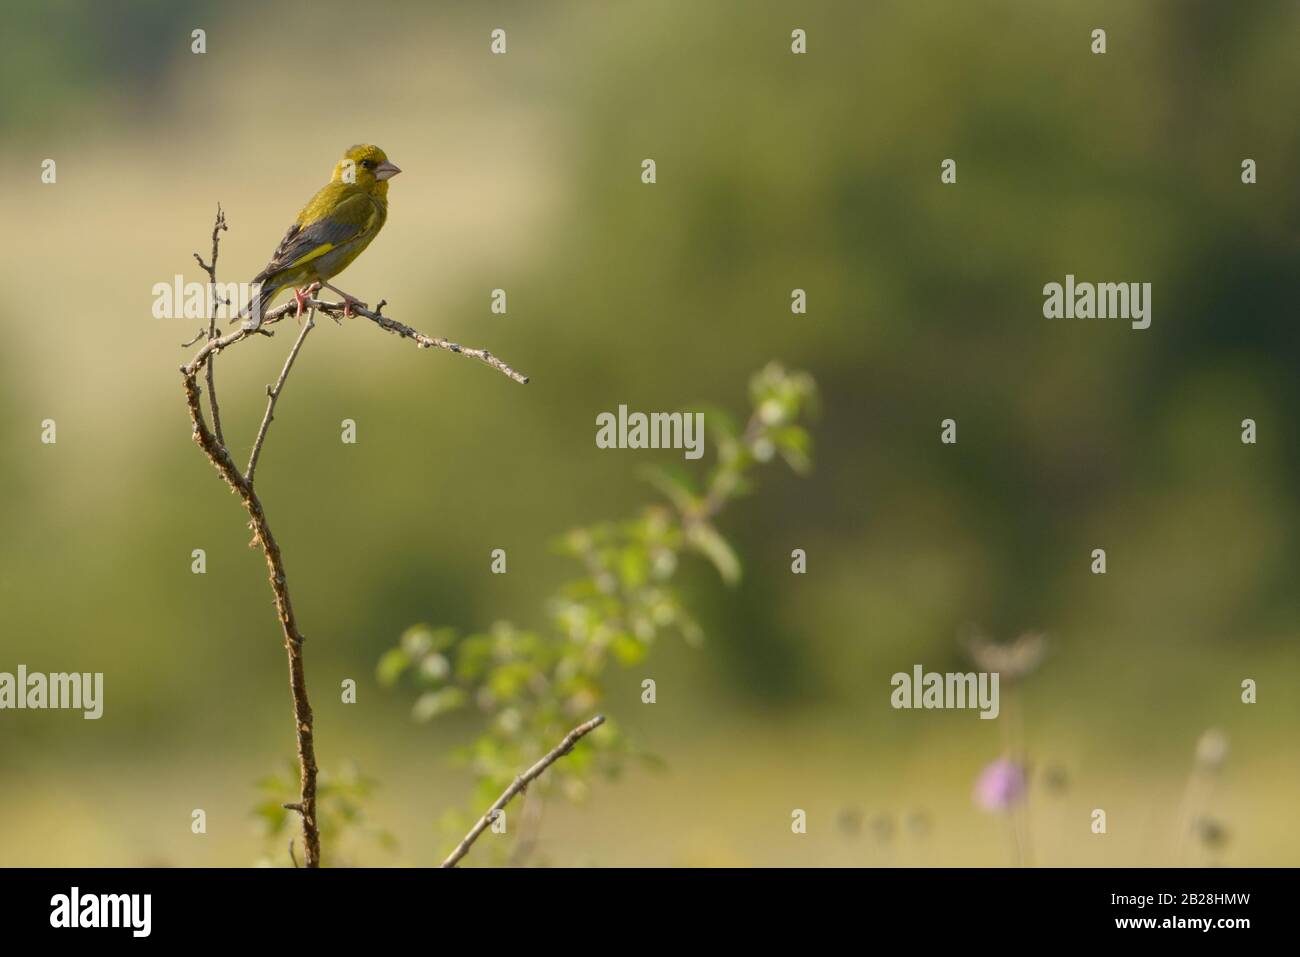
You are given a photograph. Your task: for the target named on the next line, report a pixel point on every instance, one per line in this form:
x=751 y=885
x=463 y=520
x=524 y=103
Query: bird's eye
x=367 y=164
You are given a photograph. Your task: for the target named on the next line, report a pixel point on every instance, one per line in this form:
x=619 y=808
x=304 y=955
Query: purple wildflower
x=1000 y=785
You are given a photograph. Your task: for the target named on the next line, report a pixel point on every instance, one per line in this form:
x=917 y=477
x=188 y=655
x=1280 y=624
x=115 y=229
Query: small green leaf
x=272 y=816
x=708 y=542
x=475 y=654
x=675 y=486
x=508 y=680
x=795 y=446
x=391 y=665
x=420 y=640
x=633 y=567
x=433 y=703
x=627 y=649
x=719 y=421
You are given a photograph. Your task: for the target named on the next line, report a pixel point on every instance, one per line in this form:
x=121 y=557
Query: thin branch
x=273 y=396
x=520 y=784
x=293 y=638
x=211 y=269
x=427 y=342
x=214 y=347
x=335 y=310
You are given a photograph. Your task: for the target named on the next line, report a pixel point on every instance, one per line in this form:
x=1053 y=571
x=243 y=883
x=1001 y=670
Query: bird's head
x=367 y=167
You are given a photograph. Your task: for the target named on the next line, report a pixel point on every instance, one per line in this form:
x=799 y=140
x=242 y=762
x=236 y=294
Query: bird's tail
x=256 y=309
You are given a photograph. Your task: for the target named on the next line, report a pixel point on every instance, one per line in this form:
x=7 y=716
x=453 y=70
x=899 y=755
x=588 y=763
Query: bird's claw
x=301 y=296
x=349 y=302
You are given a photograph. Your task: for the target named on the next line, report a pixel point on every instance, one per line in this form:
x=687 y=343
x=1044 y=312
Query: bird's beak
x=386 y=170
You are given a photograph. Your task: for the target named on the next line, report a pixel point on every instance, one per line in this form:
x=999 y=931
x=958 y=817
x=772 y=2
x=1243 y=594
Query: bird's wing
x=349 y=219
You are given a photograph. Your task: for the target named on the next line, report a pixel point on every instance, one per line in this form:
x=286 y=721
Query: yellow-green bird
x=332 y=230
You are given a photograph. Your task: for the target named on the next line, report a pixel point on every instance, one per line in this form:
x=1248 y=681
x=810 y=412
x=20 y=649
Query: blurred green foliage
x=534 y=686
x=55 y=50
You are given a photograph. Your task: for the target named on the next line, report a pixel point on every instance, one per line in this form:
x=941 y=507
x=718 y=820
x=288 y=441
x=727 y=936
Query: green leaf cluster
x=533 y=686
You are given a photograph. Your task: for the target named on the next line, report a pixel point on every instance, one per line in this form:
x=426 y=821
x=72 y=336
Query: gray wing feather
x=300 y=240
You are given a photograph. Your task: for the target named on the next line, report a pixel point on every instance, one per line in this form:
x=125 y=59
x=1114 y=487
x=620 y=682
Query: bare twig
x=211 y=269
x=335 y=310
x=521 y=783
x=273 y=396
x=293 y=638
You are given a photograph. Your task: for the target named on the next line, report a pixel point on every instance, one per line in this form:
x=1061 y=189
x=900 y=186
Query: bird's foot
x=349 y=302
x=301 y=296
